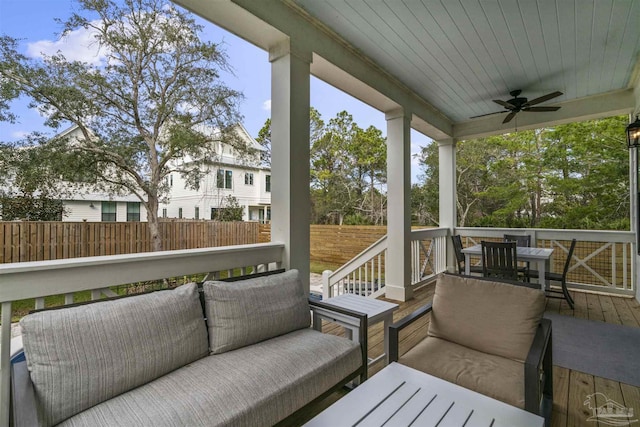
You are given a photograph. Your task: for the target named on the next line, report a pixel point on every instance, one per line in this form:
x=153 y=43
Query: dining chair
x=460 y=260
x=522 y=241
x=558 y=277
x=500 y=259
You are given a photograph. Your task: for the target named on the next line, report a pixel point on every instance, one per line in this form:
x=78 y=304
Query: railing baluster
x=613 y=266
x=366 y=276
x=624 y=267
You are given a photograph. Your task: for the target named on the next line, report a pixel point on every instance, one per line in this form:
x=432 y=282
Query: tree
x=29 y=191
x=229 y=210
x=569 y=176
x=369 y=154
x=425 y=197
x=264 y=139
x=334 y=189
x=154 y=100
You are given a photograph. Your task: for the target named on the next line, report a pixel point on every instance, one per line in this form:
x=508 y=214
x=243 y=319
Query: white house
x=232 y=174
x=96 y=207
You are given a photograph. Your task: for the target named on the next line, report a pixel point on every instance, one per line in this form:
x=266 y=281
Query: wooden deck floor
x=570 y=387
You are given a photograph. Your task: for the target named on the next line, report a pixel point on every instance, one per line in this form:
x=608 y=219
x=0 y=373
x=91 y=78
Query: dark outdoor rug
x=597 y=348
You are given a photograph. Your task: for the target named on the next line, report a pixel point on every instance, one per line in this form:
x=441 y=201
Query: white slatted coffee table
x=376 y=311
x=402 y=396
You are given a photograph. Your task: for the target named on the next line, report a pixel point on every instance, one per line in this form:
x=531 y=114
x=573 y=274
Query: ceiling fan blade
x=542 y=98
x=510 y=116
x=541 y=109
x=488 y=114
x=505 y=104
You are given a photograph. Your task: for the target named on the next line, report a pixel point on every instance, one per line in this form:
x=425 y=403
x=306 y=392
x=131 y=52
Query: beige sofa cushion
x=491 y=317
x=249 y=311
x=493 y=376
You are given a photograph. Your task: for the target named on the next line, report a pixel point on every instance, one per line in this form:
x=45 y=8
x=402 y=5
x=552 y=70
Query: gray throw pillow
x=249 y=311
x=81 y=356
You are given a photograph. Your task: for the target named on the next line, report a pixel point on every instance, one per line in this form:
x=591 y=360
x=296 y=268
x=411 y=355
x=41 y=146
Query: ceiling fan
x=517 y=104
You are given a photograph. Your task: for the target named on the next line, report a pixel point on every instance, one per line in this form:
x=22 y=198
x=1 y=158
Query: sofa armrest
x=23 y=397
x=362 y=322
x=538 y=372
x=395 y=328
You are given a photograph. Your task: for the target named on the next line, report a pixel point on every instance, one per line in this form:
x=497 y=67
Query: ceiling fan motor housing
x=516 y=102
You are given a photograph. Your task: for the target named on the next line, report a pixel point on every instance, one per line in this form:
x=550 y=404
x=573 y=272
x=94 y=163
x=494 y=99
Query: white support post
x=5 y=365
x=290 y=199
x=448 y=194
x=398 y=259
x=634 y=189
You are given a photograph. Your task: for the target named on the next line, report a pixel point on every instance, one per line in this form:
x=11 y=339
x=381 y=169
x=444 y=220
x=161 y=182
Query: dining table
x=539 y=256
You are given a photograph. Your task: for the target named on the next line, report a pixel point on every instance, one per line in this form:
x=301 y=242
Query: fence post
x=326 y=291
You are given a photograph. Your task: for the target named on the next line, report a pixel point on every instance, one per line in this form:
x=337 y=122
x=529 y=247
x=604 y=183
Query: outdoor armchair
x=488 y=336
x=460 y=259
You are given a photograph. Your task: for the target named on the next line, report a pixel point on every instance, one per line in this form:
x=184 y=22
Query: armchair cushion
x=495 y=376
x=249 y=311
x=81 y=356
x=490 y=317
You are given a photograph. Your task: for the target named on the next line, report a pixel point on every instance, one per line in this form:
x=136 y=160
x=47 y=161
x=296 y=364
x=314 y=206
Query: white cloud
x=266 y=105
x=78 y=45
x=19 y=134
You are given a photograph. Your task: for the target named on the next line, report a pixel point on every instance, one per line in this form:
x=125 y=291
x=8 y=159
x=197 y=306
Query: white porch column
x=398 y=261
x=290 y=199
x=633 y=187
x=448 y=193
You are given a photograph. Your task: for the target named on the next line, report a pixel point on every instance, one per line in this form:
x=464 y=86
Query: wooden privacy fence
x=39 y=241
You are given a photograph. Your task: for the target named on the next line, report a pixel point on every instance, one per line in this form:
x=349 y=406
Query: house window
x=164 y=212
x=214 y=213
x=133 y=211
x=108 y=211
x=224 y=178
x=269 y=214
x=248 y=178
x=179 y=212
x=197 y=212
x=268 y=183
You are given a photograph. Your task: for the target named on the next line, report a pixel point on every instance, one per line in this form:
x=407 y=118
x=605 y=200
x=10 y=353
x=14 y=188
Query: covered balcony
x=428 y=66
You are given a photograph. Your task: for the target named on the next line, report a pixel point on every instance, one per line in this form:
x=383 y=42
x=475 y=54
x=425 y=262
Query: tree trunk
x=154 y=226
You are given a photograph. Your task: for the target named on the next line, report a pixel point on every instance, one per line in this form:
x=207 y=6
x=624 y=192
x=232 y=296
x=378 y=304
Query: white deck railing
x=603 y=260
x=19 y=281
x=364 y=274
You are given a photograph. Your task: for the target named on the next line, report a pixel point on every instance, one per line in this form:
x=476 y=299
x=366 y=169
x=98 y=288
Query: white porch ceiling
x=446 y=60
x=458 y=55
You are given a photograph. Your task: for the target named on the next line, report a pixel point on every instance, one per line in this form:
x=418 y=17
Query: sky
x=33 y=22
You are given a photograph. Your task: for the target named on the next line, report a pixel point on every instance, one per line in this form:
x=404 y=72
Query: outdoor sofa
x=152 y=360
x=486 y=335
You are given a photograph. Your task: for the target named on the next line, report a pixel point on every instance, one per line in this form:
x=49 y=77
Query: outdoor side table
x=375 y=310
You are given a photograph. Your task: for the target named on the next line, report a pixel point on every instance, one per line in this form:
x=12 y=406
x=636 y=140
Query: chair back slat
x=500 y=259
x=522 y=241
